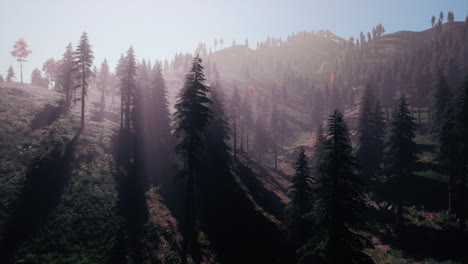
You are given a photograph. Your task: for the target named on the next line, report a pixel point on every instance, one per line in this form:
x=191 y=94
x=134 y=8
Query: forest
x=309 y=149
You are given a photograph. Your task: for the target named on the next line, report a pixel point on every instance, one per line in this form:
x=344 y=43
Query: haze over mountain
x=311 y=147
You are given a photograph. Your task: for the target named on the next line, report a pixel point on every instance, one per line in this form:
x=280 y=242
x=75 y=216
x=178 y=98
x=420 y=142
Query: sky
x=158 y=29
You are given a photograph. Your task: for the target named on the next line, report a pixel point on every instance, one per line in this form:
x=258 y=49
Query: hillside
x=74 y=196
x=57 y=185
x=64 y=182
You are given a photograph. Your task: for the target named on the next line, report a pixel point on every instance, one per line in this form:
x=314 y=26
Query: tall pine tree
x=338 y=203
x=453 y=153
x=83 y=61
x=192 y=116
x=439 y=100
x=300 y=193
x=400 y=152
x=66 y=72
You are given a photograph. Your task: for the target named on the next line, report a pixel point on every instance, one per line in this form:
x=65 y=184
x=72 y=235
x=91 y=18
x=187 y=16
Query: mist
x=247 y=132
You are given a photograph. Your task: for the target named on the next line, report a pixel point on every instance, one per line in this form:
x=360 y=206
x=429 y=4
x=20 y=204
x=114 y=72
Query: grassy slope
x=82 y=224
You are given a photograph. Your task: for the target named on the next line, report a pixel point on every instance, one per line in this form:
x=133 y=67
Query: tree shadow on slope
x=101 y=114
x=237 y=230
x=267 y=199
x=44 y=185
x=421 y=191
x=47 y=116
x=421 y=242
x=131 y=205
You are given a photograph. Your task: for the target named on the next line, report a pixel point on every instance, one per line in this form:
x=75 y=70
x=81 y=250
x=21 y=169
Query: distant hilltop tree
x=21 y=52
x=450 y=16
x=10 y=74
x=37 y=79
x=433 y=18
x=441 y=18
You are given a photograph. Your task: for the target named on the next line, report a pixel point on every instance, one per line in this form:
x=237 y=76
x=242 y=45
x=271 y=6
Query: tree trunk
x=121 y=111
x=67 y=97
x=419 y=116
x=399 y=214
x=247 y=140
x=189 y=214
x=21 y=69
x=462 y=195
x=242 y=138
x=450 y=192
x=235 y=137
x=276 y=157
x=83 y=89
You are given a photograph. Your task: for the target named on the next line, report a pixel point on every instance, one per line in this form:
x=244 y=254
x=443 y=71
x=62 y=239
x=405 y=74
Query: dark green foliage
x=44 y=184
x=453 y=153
x=439 y=99
x=338 y=204
x=400 y=152
x=130 y=177
x=370 y=133
x=128 y=88
x=66 y=78
x=319 y=146
x=83 y=58
x=163 y=143
x=192 y=116
x=300 y=193
x=103 y=82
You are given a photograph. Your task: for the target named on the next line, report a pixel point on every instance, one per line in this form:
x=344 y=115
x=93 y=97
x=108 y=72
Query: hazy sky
x=159 y=29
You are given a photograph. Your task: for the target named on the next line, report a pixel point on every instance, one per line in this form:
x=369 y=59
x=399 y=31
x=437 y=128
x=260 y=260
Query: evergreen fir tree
x=370 y=133
x=160 y=126
x=338 y=204
x=10 y=74
x=439 y=99
x=103 y=82
x=83 y=57
x=192 y=116
x=453 y=153
x=448 y=150
x=128 y=86
x=300 y=193
x=400 y=152
x=319 y=144
x=66 y=71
